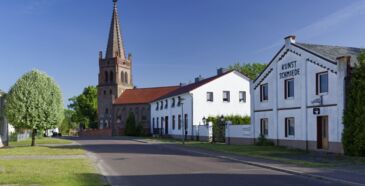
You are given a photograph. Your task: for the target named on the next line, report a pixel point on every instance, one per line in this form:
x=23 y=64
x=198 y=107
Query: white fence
x=235 y=134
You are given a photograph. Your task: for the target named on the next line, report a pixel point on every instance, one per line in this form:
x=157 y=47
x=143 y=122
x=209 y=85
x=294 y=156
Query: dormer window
x=161 y=105
x=157 y=106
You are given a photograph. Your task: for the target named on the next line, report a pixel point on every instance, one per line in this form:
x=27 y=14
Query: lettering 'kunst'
x=289 y=73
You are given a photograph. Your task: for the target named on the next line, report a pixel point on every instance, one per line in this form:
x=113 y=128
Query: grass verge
x=41 y=141
x=49 y=172
x=282 y=154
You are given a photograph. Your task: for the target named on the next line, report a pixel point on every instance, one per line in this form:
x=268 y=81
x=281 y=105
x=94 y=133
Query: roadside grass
x=73 y=172
x=41 y=141
x=23 y=148
x=282 y=154
x=58 y=172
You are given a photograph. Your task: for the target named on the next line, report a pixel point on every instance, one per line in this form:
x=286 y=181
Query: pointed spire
x=115 y=42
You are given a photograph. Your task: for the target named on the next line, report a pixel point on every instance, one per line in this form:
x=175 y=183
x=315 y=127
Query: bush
x=262 y=141
x=235 y=119
x=353 y=137
x=130 y=126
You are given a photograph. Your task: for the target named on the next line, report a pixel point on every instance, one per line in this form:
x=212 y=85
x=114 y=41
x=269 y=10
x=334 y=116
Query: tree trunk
x=34 y=133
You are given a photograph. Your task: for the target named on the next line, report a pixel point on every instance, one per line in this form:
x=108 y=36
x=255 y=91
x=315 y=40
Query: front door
x=166 y=125
x=322 y=132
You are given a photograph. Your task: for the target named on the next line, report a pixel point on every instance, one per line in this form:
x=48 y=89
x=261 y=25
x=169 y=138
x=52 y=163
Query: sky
x=171 y=41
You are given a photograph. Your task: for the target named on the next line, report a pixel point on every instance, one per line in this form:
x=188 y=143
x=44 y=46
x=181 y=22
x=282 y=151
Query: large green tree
x=34 y=102
x=354 y=118
x=68 y=121
x=252 y=70
x=85 y=107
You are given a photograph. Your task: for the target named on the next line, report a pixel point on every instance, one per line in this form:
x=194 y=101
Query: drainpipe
x=305 y=106
x=192 y=115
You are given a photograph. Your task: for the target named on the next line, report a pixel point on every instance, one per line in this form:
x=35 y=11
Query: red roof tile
x=143 y=95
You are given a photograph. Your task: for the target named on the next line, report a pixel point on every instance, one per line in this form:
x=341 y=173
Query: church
x=117 y=96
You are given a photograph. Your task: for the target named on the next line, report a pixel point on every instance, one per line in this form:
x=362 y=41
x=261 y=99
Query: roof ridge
x=172 y=86
x=330 y=45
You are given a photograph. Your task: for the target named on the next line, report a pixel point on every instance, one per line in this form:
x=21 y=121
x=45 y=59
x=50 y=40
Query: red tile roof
x=143 y=95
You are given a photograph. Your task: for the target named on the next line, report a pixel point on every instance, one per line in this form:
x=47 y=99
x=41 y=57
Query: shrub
x=262 y=141
x=353 y=137
x=130 y=126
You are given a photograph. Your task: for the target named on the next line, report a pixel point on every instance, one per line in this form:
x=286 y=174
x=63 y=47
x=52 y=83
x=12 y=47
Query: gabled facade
x=227 y=93
x=298 y=100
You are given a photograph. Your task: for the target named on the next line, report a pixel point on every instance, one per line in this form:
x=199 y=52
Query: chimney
x=199 y=78
x=289 y=39
x=221 y=71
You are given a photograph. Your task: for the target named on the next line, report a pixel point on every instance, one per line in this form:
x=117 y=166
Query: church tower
x=115 y=72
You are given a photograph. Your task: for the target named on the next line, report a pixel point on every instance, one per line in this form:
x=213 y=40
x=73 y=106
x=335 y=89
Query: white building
x=298 y=100
x=227 y=93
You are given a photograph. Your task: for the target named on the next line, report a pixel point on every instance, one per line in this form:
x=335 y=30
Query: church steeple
x=115 y=42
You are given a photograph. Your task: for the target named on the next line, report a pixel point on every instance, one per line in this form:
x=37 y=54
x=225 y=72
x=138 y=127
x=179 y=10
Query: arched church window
x=111 y=78
x=106 y=76
x=122 y=77
x=126 y=78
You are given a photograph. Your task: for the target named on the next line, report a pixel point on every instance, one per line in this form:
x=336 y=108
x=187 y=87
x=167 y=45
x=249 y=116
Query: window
x=153 y=123
x=111 y=78
x=173 y=102
x=264 y=92
x=210 y=96
x=157 y=106
x=179 y=101
x=289 y=127
x=289 y=88
x=104 y=92
x=179 y=122
x=161 y=106
x=122 y=77
x=242 y=95
x=110 y=91
x=226 y=96
x=186 y=122
x=158 y=122
x=162 y=120
x=322 y=83
x=106 y=77
x=166 y=103
x=173 y=122
x=106 y=111
x=264 y=126
x=126 y=77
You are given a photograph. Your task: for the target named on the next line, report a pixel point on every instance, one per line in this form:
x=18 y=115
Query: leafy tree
x=68 y=122
x=34 y=102
x=354 y=127
x=85 y=107
x=130 y=126
x=252 y=70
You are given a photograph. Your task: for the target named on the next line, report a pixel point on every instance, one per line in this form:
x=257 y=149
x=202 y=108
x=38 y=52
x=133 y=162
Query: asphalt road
x=132 y=163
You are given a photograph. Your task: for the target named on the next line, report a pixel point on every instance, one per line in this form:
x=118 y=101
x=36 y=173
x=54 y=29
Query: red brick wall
x=96 y=132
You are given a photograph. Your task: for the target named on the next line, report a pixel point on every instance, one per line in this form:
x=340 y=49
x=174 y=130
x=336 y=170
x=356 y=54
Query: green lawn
x=283 y=154
x=71 y=172
x=41 y=141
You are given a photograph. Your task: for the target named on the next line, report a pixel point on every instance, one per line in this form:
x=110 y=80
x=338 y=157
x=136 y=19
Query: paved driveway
x=134 y=163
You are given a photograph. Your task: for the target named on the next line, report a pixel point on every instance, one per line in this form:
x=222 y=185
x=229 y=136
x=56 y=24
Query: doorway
x=166 y=125
x=322 y=132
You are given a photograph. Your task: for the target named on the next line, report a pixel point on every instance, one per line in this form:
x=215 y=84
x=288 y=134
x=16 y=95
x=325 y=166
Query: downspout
x=305 y=105
x=252 y=105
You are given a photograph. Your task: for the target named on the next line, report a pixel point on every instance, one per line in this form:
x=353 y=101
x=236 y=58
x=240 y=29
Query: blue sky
x=172 y=41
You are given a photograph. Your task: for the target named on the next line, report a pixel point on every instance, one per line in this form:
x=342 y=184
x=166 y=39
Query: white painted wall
x=277 y=108
x=239 y=131
x=197 y=106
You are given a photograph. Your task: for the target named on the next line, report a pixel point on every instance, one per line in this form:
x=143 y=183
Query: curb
x=288 y=171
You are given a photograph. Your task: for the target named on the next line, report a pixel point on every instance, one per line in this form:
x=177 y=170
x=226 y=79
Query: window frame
x=173 y=103
x=210 y=97
x=262 y=97
x=318 y=83
x=289 y=123
x=264 y=126
x=228 y=99
x=244 y=96
x=173 y=122
x=287 y=90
